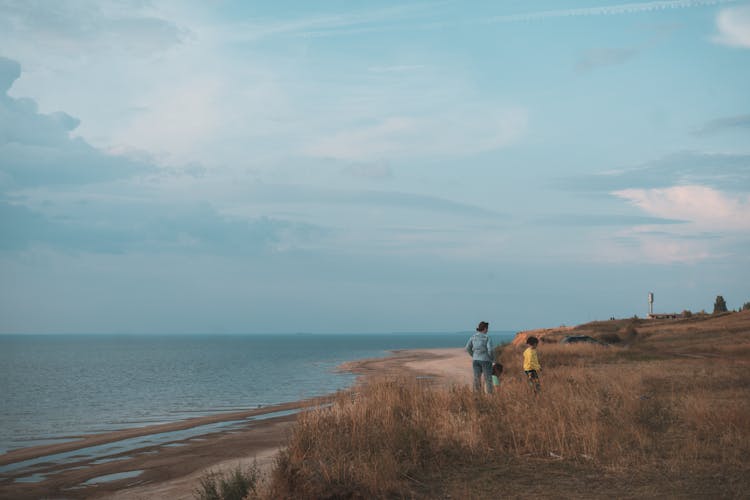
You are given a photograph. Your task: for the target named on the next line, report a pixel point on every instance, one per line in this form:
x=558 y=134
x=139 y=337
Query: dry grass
x=601 y=411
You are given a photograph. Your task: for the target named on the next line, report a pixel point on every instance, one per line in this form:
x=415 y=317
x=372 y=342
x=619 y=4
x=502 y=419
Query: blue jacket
x=479 y=347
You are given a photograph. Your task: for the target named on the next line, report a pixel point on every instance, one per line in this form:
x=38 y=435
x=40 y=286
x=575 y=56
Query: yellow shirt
x=530 y=360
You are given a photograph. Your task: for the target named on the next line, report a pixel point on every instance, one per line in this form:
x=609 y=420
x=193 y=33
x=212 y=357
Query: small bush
x=609 y=338
x=630 y=333
x=236 y=485
x=687 y=313
x=720 y=305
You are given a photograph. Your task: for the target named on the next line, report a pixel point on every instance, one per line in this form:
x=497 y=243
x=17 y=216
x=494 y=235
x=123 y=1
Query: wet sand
x=167 y=461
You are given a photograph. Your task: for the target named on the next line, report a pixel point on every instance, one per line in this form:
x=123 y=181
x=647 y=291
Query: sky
x=346 y=167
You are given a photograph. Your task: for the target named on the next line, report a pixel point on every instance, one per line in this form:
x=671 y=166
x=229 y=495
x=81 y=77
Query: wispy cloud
x=421 y=16
x=401 y=68
x=461 y=131
x=346 y=23
x=655 y=248
x=113 y=227
x=705 y=208
x=726 y=123
x=131 y=26
x=610 y=10
x=727 y=171
x=603 y=220
x=734 y=27
x=597 y=58
x=375 y=170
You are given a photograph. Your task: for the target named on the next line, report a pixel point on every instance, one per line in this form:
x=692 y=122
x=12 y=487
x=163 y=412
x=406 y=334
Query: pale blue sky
x=373 y=166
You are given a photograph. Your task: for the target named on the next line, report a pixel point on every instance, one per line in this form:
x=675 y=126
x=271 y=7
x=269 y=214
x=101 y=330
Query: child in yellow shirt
x=531 y=366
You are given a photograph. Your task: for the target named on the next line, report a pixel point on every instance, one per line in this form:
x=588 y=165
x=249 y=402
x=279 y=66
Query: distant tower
x=650 y=303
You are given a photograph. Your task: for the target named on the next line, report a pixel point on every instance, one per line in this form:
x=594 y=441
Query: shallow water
x=57 y=387
x=114 y=477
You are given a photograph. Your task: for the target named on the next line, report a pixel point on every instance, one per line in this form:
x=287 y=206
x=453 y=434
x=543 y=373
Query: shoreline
x=91 y=440
x=173 y=467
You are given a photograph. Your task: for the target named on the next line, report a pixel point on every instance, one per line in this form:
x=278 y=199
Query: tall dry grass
x=597 y=406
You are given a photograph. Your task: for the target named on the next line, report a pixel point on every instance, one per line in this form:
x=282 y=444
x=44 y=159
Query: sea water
x=56 y=387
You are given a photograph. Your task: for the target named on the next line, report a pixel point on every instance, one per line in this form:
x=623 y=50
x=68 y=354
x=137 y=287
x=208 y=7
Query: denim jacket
x=479 y=347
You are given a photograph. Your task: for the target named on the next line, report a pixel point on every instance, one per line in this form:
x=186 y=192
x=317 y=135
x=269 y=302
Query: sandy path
x=449 y=366
x=453 y=366
x=173 y=471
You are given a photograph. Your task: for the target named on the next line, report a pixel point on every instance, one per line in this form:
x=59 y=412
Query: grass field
x=664 y=413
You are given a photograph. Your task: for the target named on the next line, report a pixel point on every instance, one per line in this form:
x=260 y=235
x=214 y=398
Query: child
x=497 y=370
x=531 y=366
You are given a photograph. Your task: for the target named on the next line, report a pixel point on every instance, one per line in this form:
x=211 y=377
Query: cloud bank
x=38 y=149
x=58 y=192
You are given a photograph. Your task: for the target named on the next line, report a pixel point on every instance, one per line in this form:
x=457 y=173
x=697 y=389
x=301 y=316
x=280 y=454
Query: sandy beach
x=147 y=469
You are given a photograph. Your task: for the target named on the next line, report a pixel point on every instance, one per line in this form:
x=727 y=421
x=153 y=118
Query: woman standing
x=479 y=348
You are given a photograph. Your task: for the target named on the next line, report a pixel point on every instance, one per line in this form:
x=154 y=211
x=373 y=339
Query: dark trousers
x=533 y=378
x=482 y=368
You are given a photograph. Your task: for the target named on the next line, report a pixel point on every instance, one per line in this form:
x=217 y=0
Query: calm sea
x=53 y=387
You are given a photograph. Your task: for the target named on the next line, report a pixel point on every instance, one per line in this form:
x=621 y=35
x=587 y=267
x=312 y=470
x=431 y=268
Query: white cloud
x=734 y=27
x=714 y=224
x=703 y=207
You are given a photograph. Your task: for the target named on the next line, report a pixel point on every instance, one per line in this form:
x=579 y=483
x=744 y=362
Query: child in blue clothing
x=497 y=370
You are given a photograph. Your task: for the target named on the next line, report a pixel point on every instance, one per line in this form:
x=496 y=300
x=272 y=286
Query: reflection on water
x=114 y=477
x=118 y=450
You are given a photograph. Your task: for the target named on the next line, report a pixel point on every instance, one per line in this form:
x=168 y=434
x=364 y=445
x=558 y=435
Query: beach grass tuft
x=237 y=484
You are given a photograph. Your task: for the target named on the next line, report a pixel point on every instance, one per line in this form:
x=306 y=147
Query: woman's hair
x=483 y=325
x=532 y=340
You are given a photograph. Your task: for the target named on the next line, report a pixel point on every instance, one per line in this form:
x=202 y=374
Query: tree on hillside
x=720 y=306
x=746 y=306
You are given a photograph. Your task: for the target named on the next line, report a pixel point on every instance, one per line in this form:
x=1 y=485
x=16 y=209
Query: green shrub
x=720 y=305
x=236 y=485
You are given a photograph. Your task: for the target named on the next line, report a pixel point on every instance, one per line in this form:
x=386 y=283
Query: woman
x=479 y=348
